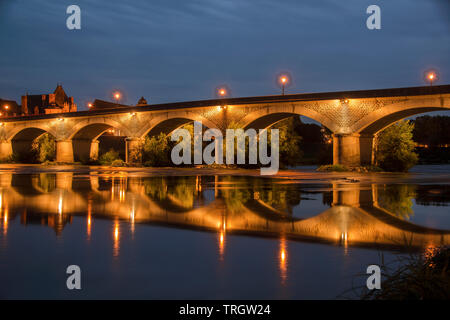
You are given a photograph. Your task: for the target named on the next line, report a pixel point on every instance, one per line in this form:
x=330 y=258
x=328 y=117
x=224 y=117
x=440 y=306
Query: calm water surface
x=206 y=237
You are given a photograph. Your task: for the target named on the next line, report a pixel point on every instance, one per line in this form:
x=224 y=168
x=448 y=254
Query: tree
x=290 y=150
x=395 y=147
x=156 y=150
x=109 y=157
x=44 y=148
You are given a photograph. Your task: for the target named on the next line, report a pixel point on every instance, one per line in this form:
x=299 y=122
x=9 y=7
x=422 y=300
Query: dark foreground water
x=206 y=237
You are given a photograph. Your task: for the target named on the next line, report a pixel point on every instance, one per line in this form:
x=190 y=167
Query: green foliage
x=290 y=150
x=118 y=163
x=333 y=167
x=156 y=150
x=419 y=277
x=395 y=147
x=47 y=181
x=44 y=147
x=397 y=199
x=109 y=157
x=175 y=193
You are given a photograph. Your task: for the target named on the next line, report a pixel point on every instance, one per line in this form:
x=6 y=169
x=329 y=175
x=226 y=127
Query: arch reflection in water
x=347 y=214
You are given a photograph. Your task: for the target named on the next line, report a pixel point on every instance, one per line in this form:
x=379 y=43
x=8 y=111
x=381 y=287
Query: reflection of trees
x=397 y=199
x=47 y=182
x=177 y=189
x=281 y=197
x=235 y=198
x=235 y=191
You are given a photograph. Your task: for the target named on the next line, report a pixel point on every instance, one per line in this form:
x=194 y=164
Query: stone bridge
x=354 y=118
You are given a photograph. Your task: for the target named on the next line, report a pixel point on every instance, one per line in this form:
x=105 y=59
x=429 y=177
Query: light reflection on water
x=296 y=216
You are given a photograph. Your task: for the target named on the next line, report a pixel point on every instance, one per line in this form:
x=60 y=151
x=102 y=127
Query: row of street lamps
x=283 y=81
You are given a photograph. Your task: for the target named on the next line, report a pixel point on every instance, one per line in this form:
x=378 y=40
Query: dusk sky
x=182 y=50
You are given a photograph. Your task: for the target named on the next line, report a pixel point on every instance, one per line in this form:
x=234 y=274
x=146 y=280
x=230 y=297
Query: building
x=9 y=108
x=102 y=104
x=56 y=102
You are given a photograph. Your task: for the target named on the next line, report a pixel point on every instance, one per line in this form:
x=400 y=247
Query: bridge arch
x=266 y=117
x=93 y=128
x=21 y=140
x=84 y=137
x=379 y=119
x=169 y=122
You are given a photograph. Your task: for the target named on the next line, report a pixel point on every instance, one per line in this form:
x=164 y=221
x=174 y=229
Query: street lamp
x=284 y=80
x=222 y=92
x=431 y=77
x=117 y=95
x=89 y=105
x=6 y=107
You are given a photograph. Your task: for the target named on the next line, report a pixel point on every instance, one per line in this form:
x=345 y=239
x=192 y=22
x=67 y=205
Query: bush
x=44 y=148
x=12 y=158
x=118 y=163
x=333 y=167
x=156 y=151
x=109 y=157
x=420 y=277
x=395 y=147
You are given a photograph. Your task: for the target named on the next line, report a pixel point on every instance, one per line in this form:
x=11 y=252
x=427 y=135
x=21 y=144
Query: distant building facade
x=56 y=102
x=9 y=108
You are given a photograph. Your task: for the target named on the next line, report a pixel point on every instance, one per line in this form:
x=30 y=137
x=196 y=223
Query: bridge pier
x=5 y=149
x=352 y=149
x=64 y=151
x=93 y=153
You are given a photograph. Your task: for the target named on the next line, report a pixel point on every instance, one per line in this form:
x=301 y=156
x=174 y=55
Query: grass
x=419 y=276
x=342 y=168
x=333 y=168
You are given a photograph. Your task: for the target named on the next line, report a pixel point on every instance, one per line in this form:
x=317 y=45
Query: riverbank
x=418 y=175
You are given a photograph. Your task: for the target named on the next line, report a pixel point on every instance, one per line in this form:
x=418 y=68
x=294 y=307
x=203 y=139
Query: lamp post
x=431 y=77
x=117 y=95
x=283 y=80
x=222 y=92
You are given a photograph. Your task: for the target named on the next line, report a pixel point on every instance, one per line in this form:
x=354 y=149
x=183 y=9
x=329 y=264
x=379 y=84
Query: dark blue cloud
x=181 y=50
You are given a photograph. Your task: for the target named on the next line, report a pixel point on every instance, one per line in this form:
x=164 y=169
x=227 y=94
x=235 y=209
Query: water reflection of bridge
x=257 y=207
